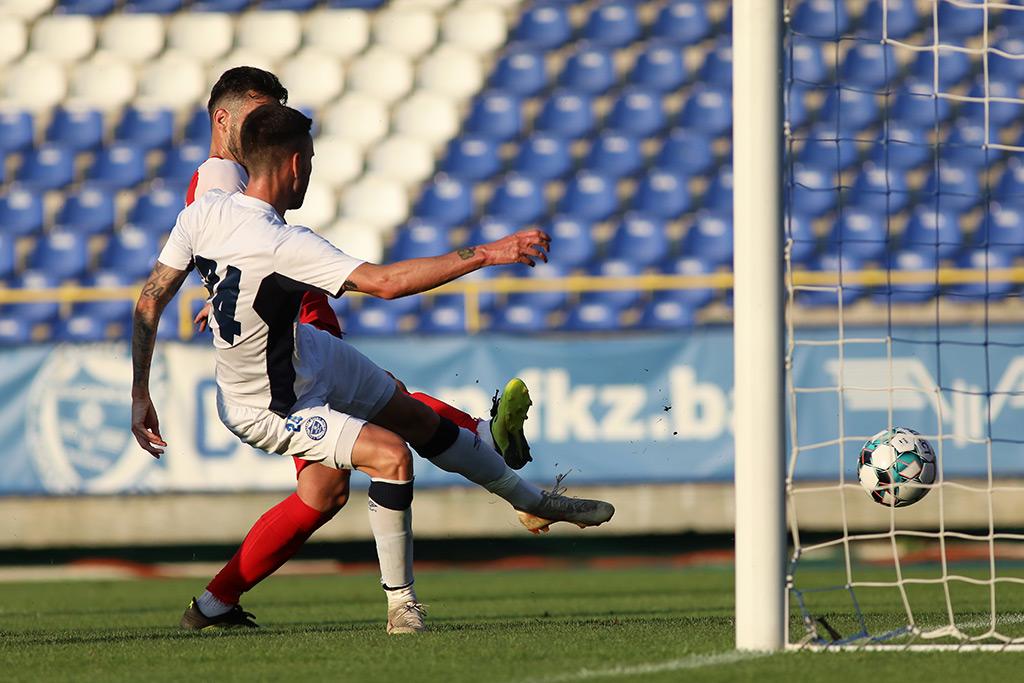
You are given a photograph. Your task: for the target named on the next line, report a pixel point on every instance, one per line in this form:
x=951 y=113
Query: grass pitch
x=650 y=624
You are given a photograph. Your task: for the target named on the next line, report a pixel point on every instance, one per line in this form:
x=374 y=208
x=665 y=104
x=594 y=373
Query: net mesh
x=904 y=182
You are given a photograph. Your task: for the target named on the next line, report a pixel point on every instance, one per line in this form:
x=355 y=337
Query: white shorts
x=344 y=389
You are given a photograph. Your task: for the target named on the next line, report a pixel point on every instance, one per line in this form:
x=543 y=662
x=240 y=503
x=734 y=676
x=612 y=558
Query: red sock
x=451 y=412
x=271 y=542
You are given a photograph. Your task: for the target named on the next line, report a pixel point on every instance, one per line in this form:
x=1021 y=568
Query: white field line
x=682 y=664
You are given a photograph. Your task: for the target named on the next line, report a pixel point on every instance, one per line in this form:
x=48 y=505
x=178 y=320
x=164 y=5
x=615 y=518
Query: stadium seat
x=16 y=131
x=544 y=25
x=95 y=8
x=471 y=158
x=718 y=196
x=358 y=117
x=690 y=298
x=395 y=308
x=980 y=258
x=61 y=255
x=21 y=212
x=814 y=191
x=14 y=331
x=880 y=190
x=618 y=299
x=824 y=19
x=13 y=39
x=520 y=70
x=452 y=71
x=518 y=198
x=684 y=22
x=957 y=188
x=967 y=147
x=34 y=83
x=901 y=147
x=403 y=158
x=667 y=315
x=181 y=162
x=81 y=329
x=961 y=21
x=103 y=82
x=156 y=210
x=134 y=37
x=917 y=105
x=49 y=167
x=870 y=66
x=639 y=238
x=428 y=116
x=933 y=231
x=490 y=229
x=717 y=68
x=480 y=28
x=663 y=194
x=659 y=67
x=487 y=301
x=999 y=114
x=410 y=30
x=449 y=318
x=197 y=128
x=119 y=166
x=543 y=156
x=111 y=310
x=88 y=211
x=130 y=252
x=829 y=297
x=589 y=69
x=859 y=233
x=710 y=238
x=76 y=129
x=314 y=78
x=571 y=240
x=146 y=128
x=593 y=317
x=613 y=23
x=522 y=319
x=446 y=201
x=1006 y=69
x=496 y=115
x=364 y=242
x=828 y=149
x=566 y=113
x=274 y=35
x=906 y=260
x=152 y=6
x=638 y=112
x=6 y=256
x=418 y=239
x=1002 y=230
x=319 y=207
x=804 y=243
x=172 y=81
x=900 y=19
x=544 y=300
x=685 y=151
x=954 y=66
x=33 y=313
x=64 y=38
x=378 y=202
x=590 y=196
x=372 y=322
x=803 y=60
x=708 y=110
x=849 y=110
x=795 y=105
x=614 y=155
x=287 y=5
x=340 y=32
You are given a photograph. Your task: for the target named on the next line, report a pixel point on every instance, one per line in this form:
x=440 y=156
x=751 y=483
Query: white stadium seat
x=358 y=117
x=313 y=78
x=274 y=34
x=174 y=81
x=452 y=71
x=64 y=37
x=409 y=31
x=318 y=208
x=13 y=39
x=383 y=73
x=338 y=161
x=427 y=116
x=342 y=33
x=433 y=5
x=378 y=202
x=503 y=4
x=238 y=57
x=402 y=158
x=103 y=82
x=35 y=83
x=27 y=9
x=136 y=38
x=480 y=28
x=356 y=239
x=204 y=35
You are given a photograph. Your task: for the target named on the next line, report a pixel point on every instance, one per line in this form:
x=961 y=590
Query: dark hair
x=242 y=80
x=271 y=131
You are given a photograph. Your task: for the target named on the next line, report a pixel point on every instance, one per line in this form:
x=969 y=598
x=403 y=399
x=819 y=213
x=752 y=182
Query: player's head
x=275 y=141
x=235 y=94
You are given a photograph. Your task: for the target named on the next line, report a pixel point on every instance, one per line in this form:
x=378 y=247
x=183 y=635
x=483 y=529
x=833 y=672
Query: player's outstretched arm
x=160 y=288
x=394 y=280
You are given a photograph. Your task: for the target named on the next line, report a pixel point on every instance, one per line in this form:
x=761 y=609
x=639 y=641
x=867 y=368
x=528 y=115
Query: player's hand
x=146 y=427
x=202 y=318
x=525 y=246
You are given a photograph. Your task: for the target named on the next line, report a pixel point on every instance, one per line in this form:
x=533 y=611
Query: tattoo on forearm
x=143 y=341
x=349 y=286
x=159 y=281
x=466 y=253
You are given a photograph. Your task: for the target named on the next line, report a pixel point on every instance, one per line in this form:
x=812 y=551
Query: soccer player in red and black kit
x=321 y=491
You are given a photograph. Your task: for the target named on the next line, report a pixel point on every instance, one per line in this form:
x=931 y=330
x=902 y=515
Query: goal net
x=903 y=177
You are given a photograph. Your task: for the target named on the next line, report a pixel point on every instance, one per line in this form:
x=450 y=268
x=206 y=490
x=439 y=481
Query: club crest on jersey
x=316 y=427
x=293 y=423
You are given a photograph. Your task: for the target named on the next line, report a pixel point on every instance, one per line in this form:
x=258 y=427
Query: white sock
x=210 y=606
x=482 y=465
x=392 y=532
x=400 y=596
x=483 y=430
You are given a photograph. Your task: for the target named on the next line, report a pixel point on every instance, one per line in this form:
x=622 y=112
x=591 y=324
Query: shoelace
x=413 y=607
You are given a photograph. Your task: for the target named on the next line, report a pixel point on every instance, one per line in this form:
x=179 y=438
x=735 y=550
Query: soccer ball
x=894 y=464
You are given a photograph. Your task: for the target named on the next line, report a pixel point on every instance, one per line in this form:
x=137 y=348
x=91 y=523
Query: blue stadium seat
x=684 y=22
x=616 y=298
x=718 y=196
x=63 y=255
x=916 y=104
x=15 y=331
x=88 y=211
x=691 y=298
x=667 y=315
x=521 y=319
x=287 y=5
x=131 y=253
x=6 y=256
x=543 y=156
x=869 y=65
x=181 y=162
x=663 y=194
x=486 y=300
x=197 y=129
x=472 y=158
x=395 y=308
x=804 y=60
x=967 y=147
x=804 y=242
x=1002 y=230
x=81 y=329
x=21 y=212
x=1010 y=189
x=638 y=112
x=685 y=151
x=639 y=238
x=372 y=322
x=795 y=99
x=589 y=70
x=880 y=190
x=77 y=129
x=518 y=198
x=826 y=19
x=833 y=263
x=545 y=25
x=119 y=166
x=445 y=201
x=566 y=113
x=1002 y=68
x=157 y=209
x=443 y=319
x=859 y=233
x=16 y=131
x=490 y=229
x=900 y=17
x=957 y=188
x=708 y=110
x=226 y=6
x=417 y=239
x=49 y=167
x=146 y=128
x=520 y=70
x=590 y=196
x=659 y=67
x=112 y=310
x=906 y=260
x=95 y=8
x=828 y=149
x=959 y=21
x=814 y=191
x=901 y=147
x=496 y=115
x=999 y=114
x=932 y=231
x=152 y=6
x=614 y=155
x=542 y=301
x=710 y=238
x=613 y=23
x=592 y=317
x=982 y=259
x=717 y=68
x=849 y=110
x=571 y=241
x=38 y=311
x=953 y=68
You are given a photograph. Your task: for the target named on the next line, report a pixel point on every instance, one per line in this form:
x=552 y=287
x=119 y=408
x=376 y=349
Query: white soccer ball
x=896 y=467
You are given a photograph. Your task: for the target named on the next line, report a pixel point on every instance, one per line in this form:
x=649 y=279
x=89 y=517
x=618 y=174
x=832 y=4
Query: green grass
x=488 y=627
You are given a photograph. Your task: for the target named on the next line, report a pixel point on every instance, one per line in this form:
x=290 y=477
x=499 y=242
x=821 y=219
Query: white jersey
x=216 y=174
x=256 y=268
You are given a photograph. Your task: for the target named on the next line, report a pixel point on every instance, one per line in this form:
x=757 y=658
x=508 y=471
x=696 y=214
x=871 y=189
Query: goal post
x=758 y=326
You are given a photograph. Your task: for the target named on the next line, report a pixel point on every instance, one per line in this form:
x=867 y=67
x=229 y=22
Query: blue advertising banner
x=624 y=408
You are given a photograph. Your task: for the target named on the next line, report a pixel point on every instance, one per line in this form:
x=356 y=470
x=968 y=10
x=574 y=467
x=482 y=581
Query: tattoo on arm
x=349 y=286
x=466 y=253
x=160 y=288
x=160 y=282
x=143 y=343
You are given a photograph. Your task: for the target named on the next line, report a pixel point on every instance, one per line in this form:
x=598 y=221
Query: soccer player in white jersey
x=288 y=388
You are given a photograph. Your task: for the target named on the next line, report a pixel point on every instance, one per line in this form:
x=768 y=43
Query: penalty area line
x=682 y=664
